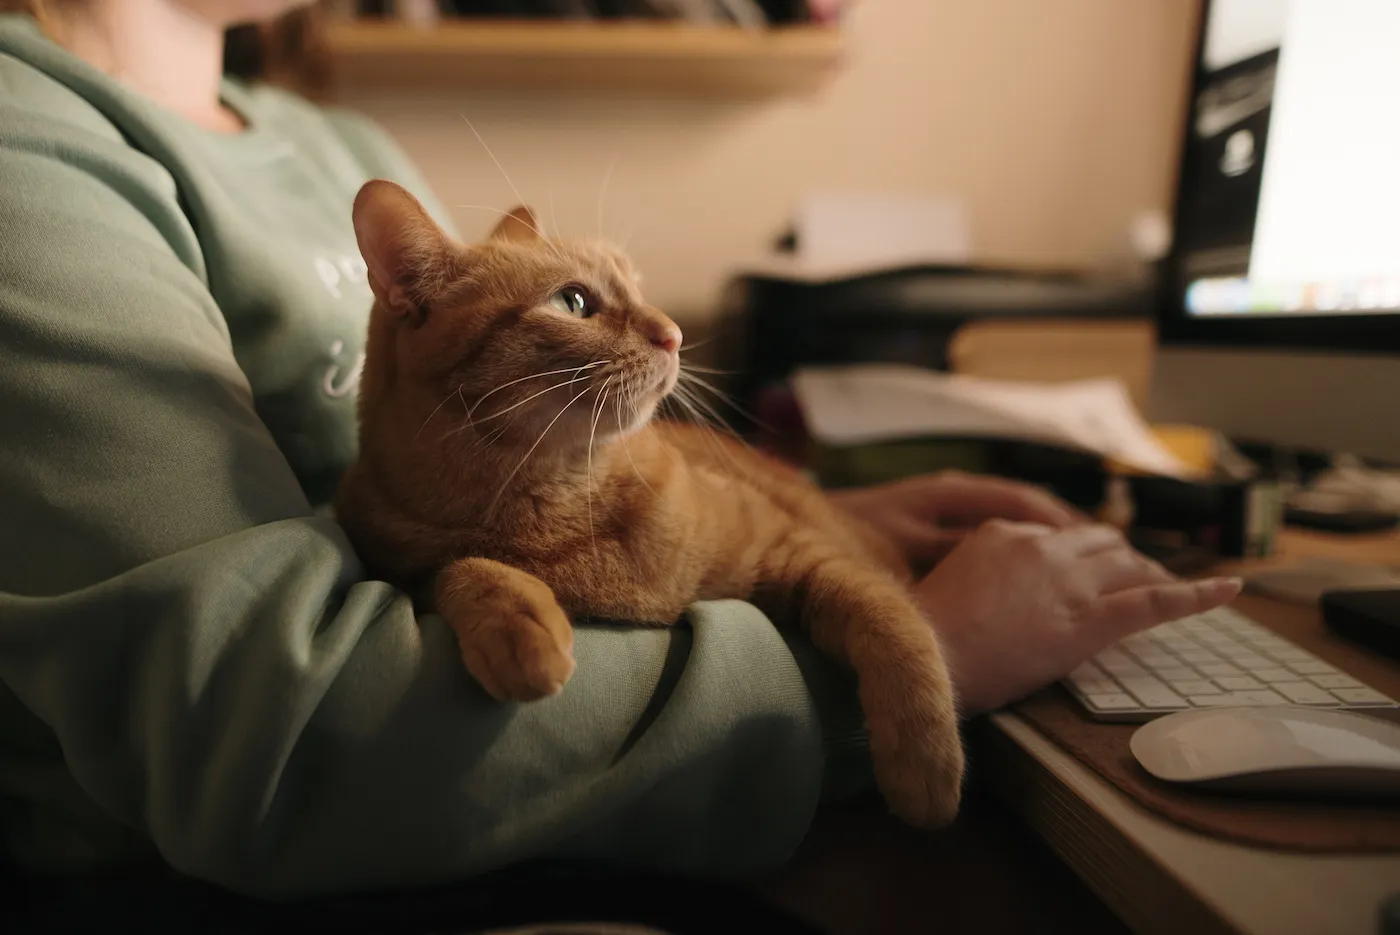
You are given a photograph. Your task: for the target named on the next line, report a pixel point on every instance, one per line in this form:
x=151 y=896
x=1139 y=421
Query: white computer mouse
x=1293 y=750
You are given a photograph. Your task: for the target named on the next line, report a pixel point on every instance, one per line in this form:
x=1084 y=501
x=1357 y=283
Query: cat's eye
x=571 y=301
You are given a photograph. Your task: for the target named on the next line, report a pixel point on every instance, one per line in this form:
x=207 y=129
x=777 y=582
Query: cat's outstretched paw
x=917 y=754
x=515 y=638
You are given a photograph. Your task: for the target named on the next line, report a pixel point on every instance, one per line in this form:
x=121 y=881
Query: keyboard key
x=1311 y=667
x=1153 y=694
x=1087 y=670
x=1273 y=675
x=1362 y=697
x=1113 y=702
x=1178 y=645
x=1238 y=683
x=1175 y=673
x=1335 y=681
x=1211 y=701
x=1303 y=693
x=1196 y=687
x=1256 y=698
x=1211 y=660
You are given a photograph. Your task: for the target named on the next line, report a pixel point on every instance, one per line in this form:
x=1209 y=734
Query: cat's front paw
x=515 y=639
x=917 y=751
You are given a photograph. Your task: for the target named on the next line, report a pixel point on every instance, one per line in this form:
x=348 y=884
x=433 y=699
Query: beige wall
x=1055 y=120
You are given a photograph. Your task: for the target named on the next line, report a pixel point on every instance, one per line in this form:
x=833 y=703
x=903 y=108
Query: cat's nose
x=665 y=335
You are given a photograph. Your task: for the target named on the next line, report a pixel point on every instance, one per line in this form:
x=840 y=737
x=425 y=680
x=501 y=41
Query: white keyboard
x=1217 y=659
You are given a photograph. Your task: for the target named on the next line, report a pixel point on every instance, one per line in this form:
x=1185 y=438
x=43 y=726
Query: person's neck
x=157 y=47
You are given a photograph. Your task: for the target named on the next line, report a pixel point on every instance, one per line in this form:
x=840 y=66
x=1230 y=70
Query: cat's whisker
x=716 y=421
x=516 y=470
x=723 y=397
x=574 y=380
x=617 y=403
x=592 y=435
x=687 y=367
x=486 y=441
x=690 y=347
x=514 y=406
x=705 y=431
x=437 y=409
x=603 y=189
x=501 y=213
x=520 y=199
x=692 y=401
x=553 y=218
x=533 y=376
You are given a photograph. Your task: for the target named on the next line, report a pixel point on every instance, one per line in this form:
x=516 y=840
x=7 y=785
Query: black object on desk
x=1346 y=522
x=906 y=315
x=1390 y=916
x=1367 y=618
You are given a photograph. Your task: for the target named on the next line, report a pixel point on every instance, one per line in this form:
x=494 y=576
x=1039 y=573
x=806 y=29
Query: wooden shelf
x=652 y=58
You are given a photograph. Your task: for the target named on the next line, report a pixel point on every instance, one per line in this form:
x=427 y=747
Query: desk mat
x=1292 y=825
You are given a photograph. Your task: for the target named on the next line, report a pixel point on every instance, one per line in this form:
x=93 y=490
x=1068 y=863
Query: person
x=196 y=669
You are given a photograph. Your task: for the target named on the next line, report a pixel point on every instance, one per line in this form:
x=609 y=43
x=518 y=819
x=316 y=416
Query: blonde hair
x=289 y=51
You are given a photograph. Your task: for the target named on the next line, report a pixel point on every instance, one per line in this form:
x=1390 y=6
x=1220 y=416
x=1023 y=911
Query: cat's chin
x=642 y=415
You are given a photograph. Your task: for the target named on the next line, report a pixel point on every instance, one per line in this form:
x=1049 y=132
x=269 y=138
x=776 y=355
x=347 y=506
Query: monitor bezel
x=1365 y=332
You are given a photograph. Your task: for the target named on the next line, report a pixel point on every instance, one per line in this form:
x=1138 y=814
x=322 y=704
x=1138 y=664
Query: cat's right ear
x=403 y=248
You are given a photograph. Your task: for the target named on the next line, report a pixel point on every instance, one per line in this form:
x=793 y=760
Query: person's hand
x=1018 y=606
x=927 y=516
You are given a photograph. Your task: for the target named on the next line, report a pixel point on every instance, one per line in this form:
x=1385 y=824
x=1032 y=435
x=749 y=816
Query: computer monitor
x=1281 y=310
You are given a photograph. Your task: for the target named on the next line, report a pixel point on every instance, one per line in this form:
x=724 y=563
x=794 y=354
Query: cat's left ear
x=519 y=225
x=403 y=248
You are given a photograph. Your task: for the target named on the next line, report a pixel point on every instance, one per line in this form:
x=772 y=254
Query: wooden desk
x=1161 y=878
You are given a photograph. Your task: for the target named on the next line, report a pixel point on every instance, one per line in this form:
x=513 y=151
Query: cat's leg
x=861 y=615
x=515 y=638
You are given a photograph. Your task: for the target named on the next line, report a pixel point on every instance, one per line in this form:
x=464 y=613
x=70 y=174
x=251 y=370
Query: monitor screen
x=1289 y=201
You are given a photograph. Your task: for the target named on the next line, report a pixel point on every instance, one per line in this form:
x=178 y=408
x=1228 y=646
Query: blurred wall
x=1055 y=121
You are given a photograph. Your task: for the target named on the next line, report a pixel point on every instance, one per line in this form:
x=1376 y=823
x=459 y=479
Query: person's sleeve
x=218 y=672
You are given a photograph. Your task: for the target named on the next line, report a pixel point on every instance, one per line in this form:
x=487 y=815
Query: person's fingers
x=966 y=500
x=1087 y=540
x=1121 y=569
x=1117 y=615
x=925 y=545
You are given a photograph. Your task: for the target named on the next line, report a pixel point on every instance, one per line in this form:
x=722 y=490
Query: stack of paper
x=856 y=405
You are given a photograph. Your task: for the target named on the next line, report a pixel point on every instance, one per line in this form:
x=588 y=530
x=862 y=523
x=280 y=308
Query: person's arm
x=212 y=662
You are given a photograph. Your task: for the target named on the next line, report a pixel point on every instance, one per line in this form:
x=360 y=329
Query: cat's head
x=519 y=337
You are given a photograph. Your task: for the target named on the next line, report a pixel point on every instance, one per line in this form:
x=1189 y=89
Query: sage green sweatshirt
x=194 y=667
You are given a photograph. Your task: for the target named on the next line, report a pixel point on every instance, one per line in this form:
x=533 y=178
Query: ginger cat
x=512 y=477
